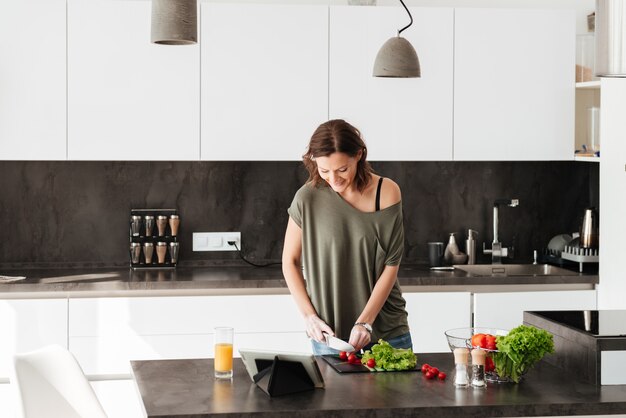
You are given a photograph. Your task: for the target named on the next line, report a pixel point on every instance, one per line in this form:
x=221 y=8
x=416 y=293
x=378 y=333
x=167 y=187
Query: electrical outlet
x=216 y=241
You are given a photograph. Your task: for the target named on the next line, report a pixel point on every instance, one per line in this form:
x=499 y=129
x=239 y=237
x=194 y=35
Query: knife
x=338 y=344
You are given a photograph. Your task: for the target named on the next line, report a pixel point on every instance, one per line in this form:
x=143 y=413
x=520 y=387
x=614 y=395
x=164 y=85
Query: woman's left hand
x=359 y=337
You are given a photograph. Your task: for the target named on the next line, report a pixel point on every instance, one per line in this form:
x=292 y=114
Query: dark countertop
x=123 y=281
x=177 y=388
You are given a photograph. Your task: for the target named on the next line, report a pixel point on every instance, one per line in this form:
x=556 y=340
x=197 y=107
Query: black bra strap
x=380 y=183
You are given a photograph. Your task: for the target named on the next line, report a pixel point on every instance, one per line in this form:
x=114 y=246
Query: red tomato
x=479 y=340
x=343 y=355
x=490 y=342
x=434 y=371
x=371 y=363
x=429 y=375
x=489 y=366
x=425 y=368
x=441 y=376
x=352 y=358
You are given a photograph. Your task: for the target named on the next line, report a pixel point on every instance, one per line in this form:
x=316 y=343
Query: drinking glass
x=223 y=352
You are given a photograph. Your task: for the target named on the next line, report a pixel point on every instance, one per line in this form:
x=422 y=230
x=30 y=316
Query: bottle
x=470 y=246
x=451 y=249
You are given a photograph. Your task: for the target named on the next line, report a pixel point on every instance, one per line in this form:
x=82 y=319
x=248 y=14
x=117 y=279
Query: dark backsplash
x=77 y=213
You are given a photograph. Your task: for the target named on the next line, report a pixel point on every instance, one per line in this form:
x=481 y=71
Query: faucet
x=497 y=251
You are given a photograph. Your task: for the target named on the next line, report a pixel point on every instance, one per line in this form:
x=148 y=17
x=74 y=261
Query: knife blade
x=338 y=344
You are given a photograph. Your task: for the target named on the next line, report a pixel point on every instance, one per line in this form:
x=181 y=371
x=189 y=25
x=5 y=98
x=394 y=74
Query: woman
x=345 y=237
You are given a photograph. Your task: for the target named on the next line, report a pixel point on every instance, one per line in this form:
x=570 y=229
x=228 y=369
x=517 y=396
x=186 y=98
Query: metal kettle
x=589 y=229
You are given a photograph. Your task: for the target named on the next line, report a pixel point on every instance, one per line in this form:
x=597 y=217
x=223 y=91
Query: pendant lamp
x=174 y=22
x=397 y=57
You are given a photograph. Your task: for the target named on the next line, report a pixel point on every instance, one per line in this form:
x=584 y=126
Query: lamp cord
x=250 y=262
x=407 y=10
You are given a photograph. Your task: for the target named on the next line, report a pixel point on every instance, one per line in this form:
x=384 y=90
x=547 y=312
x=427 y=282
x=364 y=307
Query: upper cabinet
x=514 y=84
x=400 y=119
x=32 y=80
x=129 y=99
x=264 y=79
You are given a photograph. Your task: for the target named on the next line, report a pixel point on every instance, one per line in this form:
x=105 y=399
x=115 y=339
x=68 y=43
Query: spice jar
x=461 y=356
x=478 y=367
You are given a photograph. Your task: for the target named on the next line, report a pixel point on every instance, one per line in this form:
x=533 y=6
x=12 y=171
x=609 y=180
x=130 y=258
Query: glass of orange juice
x=223 y=352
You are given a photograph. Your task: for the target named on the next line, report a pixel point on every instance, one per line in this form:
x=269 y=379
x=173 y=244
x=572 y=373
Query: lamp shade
x=397 y=58
x=174 y=22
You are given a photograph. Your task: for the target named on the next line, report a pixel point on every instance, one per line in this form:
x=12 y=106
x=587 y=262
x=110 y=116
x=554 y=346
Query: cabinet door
x=32 y=80
x=400 y=118
x=514 y=84
x=506 y=310
x=612 y=286
x=129 y=99
x=28 y=325
x=264 y=79
x=431 y=314
x=106 y=333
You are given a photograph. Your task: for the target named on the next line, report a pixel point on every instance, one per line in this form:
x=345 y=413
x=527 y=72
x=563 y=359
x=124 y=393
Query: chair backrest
x=50 y=383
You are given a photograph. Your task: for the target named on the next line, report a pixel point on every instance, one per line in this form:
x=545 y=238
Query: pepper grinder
x=478 y=367
x=461 y=356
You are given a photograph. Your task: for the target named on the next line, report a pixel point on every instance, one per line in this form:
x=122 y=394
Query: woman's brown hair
x=337 y=135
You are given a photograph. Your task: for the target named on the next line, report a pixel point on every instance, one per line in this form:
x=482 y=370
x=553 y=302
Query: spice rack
x=154 y=238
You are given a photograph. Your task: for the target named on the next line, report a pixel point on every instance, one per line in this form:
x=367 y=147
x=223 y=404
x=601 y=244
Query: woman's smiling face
x=338 y=170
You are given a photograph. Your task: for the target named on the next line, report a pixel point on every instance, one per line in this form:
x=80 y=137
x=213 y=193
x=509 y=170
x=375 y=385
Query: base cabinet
x=506 y=310
x=105 y=334
x=431 y=314
x=27 y=325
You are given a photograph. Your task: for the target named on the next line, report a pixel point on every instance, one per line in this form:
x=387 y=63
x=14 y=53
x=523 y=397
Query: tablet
x=257 y=360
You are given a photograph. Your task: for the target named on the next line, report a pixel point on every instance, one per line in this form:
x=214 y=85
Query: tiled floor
x=119 y=398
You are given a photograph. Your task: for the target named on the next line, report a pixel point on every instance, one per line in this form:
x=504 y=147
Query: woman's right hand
x=315 y=328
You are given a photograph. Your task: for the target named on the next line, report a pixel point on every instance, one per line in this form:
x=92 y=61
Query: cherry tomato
x=371 y=363
x=429 y=375
x=352 y=358
x=489 y=366
x=434 y=371
x=490 y=342
x=425 y=368
x=479 y=340
x=343 y=355
x=441 y=376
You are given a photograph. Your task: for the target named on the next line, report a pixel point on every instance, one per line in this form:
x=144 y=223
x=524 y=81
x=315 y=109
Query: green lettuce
x=520 y=349
x=389 y=358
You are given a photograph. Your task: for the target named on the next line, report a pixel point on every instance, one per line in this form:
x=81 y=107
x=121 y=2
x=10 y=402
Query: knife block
x=282 y=377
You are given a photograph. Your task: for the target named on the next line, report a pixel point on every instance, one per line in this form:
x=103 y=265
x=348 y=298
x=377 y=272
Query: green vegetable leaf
x=520 y=349
x=389 y=358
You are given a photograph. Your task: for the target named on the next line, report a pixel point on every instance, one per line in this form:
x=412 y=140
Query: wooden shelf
x=588 y=85
x=587 y=159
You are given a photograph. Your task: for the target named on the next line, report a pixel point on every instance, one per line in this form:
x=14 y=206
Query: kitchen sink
x=515 y=270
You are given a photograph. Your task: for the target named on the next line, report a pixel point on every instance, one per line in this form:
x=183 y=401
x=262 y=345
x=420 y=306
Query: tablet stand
x=282 y=377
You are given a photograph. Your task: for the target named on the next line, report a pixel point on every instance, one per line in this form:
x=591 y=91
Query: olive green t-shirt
x=344 y=252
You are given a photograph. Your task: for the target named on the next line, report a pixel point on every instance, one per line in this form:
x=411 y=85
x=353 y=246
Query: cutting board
x=342 y=366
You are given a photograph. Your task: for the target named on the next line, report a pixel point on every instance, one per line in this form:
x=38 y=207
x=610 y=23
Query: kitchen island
x=186 y=388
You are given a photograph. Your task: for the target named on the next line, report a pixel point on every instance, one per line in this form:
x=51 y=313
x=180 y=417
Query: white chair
x=50 y=383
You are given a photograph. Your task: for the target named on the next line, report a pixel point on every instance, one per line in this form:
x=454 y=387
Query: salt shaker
x=461 y=356
x=478 y=367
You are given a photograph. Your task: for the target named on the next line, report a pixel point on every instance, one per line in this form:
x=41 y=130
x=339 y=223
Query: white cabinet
x=506 y=310
x=128 y=99
x=400 y=119
x=264 y=79
x=105 y=334
x=514 y=84
x=431 y=314
x=27 y=325
x=32 y=80
x=612 y=287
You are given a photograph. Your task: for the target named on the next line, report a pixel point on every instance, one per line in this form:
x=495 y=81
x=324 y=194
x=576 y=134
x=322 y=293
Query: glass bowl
x=462 y=338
